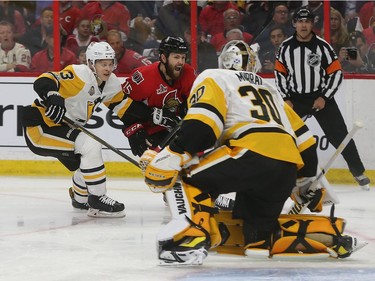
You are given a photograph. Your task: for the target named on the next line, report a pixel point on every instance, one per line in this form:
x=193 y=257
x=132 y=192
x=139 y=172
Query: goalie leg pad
x=299 y=235
x=305 y=234
x=186 y=239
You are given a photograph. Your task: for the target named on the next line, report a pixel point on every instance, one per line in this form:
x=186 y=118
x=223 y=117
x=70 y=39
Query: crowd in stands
x=135 y=28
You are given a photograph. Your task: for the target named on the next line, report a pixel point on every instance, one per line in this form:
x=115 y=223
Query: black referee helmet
x=303 y=13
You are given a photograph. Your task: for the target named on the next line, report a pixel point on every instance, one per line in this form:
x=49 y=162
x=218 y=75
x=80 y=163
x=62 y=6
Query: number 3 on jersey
x=262 y=100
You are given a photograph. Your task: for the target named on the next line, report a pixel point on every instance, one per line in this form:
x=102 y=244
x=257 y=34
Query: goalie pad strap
x=298 y=234
x=306 y=234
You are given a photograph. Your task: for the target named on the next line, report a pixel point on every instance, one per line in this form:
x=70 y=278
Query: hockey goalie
x=259 y=147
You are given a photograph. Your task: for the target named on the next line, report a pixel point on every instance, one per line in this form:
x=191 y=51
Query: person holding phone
x=358 y=57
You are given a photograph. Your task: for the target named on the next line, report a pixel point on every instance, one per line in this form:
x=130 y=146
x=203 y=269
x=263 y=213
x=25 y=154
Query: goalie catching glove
x=162 y=169
x=305 y=193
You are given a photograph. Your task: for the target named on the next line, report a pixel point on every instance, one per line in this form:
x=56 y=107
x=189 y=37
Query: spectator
x=140 y=32
x=10 y=14
x=258 y=15
x=369 y=34
x=27 y=10
x=35 y=39
x=82 y=38
x=232 y=20
x=173 y=19
x=81 y=55
x=211 y=18
x=14 y=57
x=69 y=16
x=316 y=7
x=148 y=9
x=267 y=59
x=280 y=18
x=233 y=34
x=339 y=34
x=308 y=75
x=127 y=59
x=361 y=60
x=366 y=13
x=113 y=15
x=207 y=57
x=42 y=61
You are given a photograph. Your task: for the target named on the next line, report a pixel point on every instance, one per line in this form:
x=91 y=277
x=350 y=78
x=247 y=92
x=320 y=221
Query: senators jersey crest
x=147 y=85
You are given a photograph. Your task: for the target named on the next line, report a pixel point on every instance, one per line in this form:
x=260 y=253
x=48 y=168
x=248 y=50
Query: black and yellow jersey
x=78 y=85
x=240 y=109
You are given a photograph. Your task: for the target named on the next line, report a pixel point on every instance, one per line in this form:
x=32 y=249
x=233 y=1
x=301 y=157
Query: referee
x=308 y=75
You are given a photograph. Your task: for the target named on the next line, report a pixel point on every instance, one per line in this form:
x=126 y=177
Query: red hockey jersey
x=147 y=84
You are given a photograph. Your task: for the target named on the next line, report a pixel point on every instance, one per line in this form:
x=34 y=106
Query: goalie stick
x=300 y=208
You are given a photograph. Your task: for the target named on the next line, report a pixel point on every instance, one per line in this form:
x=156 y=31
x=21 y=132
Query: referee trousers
x=333 y=125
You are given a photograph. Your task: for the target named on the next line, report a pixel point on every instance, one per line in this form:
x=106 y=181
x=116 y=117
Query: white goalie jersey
x=244 y=110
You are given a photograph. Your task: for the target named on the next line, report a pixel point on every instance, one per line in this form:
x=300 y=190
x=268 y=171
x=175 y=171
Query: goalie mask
x=237 y=55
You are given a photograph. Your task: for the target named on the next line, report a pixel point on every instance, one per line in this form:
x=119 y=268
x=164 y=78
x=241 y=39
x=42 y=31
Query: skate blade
x=176 y=259
x=195 y=262
x=300 y=257
x=365 y=187
x=359 y=246
x=95 y=213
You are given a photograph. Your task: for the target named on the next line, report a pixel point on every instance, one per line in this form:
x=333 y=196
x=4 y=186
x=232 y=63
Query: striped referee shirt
x=305 y=68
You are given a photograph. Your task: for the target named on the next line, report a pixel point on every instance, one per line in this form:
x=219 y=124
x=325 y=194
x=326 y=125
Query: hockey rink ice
x=43 y=238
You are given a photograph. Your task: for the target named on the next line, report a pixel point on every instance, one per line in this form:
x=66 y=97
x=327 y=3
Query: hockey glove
x=165 y=118
x=162 y=172
x=55 y=107
x=304 y=193
x=138 y=138
x=146 y=158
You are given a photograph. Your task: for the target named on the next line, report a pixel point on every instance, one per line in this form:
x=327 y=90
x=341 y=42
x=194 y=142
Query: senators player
x=164 y=86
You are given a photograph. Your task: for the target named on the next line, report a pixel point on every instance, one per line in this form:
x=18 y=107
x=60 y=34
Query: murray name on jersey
x=250 y=77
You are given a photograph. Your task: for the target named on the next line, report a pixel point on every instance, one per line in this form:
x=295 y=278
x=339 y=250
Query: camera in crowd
x=352 y=53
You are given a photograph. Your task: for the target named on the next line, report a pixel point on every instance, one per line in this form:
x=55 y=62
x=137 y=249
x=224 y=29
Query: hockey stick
x=165 y=141
x=299 y=208
x=169 y=137
x=103 y=142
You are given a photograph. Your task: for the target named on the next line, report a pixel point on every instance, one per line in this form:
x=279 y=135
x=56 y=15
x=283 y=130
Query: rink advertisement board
x=354 y=98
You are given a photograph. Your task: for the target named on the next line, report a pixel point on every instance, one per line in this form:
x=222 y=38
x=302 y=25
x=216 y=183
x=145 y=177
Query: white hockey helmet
x=100 y=51
x=237 y=55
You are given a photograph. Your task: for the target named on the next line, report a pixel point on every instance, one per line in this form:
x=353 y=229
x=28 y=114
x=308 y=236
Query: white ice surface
x=43 y=238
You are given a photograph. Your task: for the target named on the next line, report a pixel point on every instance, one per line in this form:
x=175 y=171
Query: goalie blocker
x=297 y=236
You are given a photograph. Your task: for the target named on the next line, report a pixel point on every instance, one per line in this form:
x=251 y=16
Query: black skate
x=104 y=207
x=363 y=181
x=186 y=252
x=344 y=246
x=75 y=203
